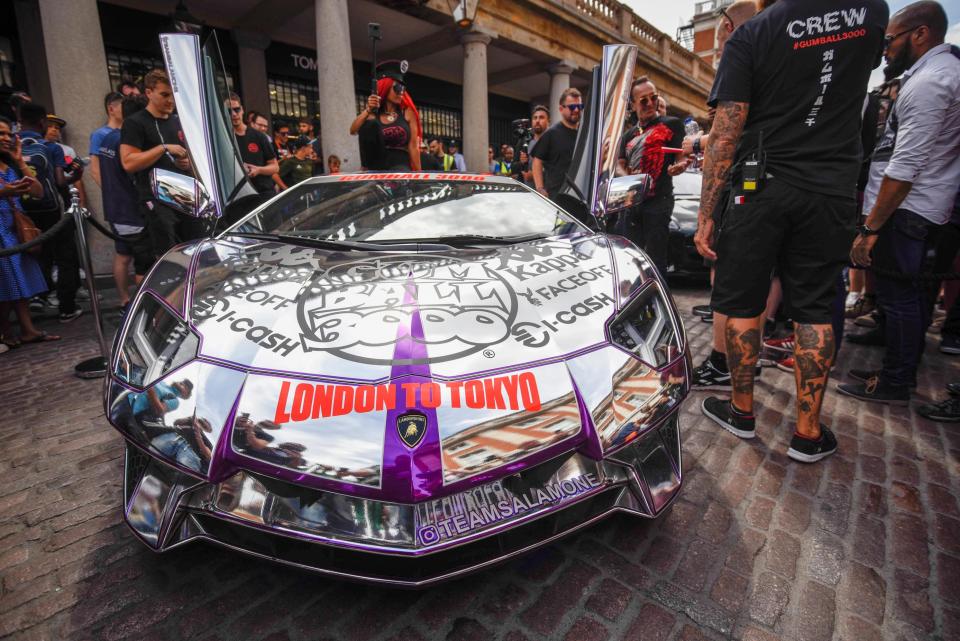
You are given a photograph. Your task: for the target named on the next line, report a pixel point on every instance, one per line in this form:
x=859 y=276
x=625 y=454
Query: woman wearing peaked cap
x=390 y=137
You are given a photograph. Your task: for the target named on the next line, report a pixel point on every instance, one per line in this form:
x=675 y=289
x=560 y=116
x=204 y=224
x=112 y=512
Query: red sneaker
x=786 y=364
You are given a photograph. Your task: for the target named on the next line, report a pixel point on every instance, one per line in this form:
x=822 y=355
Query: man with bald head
x=732 y=17
x=914 y=175
x=788 y=94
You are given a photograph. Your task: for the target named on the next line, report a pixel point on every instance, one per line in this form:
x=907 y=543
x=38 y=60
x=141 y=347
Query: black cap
x=394 y=69
x=452 y=142
x=299 y=142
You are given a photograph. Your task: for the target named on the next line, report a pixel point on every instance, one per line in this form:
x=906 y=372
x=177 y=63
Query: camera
x=522 y=133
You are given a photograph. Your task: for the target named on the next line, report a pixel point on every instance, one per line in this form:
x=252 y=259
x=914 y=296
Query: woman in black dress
x=389 y=126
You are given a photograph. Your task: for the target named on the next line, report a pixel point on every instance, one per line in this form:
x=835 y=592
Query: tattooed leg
x=743 y=351
x=813 y=354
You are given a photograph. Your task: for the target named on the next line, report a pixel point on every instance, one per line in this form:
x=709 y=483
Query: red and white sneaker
x=783 y=345
x=786 y=364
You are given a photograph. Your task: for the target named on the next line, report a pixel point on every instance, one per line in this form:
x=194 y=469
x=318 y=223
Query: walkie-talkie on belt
x=753 y=168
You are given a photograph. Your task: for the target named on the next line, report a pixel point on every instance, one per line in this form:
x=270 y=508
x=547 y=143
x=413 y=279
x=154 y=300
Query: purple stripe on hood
x=410 y=475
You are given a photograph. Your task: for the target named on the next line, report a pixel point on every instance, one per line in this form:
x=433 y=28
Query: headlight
x=646 y=328
x=156 y=342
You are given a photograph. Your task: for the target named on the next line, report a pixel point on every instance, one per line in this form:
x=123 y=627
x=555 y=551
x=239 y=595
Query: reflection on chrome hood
x=359 y=315
x=397 y=375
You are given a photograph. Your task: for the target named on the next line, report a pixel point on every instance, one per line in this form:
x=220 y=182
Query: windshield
x=355 y=208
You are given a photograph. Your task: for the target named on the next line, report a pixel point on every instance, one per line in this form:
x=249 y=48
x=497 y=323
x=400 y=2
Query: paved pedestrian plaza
x=863 y=546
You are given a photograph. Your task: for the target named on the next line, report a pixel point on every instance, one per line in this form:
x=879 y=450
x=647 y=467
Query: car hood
x=404 y=376
x=365 y=316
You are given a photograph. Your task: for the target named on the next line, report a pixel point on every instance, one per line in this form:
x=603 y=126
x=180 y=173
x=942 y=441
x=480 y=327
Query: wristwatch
x=867 y=231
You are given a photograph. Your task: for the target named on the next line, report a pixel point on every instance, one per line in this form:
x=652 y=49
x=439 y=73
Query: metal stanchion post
x=95 y=367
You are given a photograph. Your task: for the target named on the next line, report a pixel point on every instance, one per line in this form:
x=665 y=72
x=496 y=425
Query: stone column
x=335 y=80
x=559 y=81
x=78 y=88
x=476 y=124
x=253 y=70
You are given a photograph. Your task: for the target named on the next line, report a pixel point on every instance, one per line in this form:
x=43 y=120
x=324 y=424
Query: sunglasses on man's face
x=574 y=106
x=236 y=110
x=651 y=99
x=888 y=40
x=283 y=133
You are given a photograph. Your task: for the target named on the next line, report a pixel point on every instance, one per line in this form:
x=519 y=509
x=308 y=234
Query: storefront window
x=6 y=62
x=123 y=66
x=291 y=99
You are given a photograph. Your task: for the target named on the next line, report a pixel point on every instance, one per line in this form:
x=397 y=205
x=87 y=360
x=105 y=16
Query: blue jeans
x=177 y=448
x=902 y=246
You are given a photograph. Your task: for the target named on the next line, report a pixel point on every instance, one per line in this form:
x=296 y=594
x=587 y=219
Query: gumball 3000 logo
x=361 y=310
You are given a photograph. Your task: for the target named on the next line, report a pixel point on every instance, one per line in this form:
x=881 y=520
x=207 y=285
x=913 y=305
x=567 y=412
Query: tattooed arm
x=727 y=127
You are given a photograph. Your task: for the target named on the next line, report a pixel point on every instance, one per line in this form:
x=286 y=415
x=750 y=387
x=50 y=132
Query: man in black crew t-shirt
x=552 y=155
x=789 y=93
x=152 y=138
x=647 y=224
x=256 y=150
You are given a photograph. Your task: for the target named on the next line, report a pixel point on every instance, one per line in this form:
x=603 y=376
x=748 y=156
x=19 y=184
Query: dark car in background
x=683 y=261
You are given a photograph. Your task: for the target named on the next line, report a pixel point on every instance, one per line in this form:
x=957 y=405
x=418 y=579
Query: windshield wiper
x=470 y=239
x=322 y=243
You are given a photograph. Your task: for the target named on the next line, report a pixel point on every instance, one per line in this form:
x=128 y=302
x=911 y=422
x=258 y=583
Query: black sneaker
x=71 y=316
x=947 y=411
x=722 y=413
x=953 y=389
x=865 y=375
x=950 y=344
x=808 y=450
x=707 y=376
x=702 y=311
x=877 y=391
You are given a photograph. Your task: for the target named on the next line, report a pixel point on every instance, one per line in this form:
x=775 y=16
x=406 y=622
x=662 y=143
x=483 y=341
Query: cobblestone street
x=863 y=546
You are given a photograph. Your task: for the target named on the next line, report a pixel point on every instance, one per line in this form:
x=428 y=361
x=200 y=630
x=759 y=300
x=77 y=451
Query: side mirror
x=182 y=193
x=626 y=191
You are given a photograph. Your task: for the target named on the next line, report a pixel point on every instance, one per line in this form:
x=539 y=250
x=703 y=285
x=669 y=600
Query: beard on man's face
x=899 y=63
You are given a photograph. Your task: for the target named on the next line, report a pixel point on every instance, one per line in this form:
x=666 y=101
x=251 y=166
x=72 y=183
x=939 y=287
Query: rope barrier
x=22 y=247
x=96 y=224
x=65 y=220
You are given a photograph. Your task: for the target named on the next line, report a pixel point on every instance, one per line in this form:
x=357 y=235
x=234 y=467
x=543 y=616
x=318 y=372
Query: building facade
x=312 y=58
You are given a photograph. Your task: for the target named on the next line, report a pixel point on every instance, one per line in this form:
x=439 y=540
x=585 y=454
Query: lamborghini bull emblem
x=412 y=428
x=367 y=311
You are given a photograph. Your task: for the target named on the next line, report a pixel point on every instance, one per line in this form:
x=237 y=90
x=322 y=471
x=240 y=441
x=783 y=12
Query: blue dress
x=20 y=275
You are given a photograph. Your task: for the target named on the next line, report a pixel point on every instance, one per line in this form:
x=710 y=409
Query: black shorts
x=805 y=237
x=137 y=246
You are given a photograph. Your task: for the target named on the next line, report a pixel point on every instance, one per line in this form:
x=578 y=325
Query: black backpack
x=37 y=156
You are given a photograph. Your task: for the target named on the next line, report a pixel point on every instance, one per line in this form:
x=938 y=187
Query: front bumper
x=400 y=544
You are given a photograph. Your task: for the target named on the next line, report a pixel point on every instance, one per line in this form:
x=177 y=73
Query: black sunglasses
x=653 y=98
x=398 y=87
x=888 y=40
x=236 y=110
x=574 y=106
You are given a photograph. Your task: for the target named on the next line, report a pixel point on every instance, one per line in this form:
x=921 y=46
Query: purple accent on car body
x=220 y=466
x=410 y=475
x=591 y=446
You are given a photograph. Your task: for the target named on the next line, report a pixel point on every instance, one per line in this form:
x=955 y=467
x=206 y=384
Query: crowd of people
x=141 y=133
x=805 y=174
x=821 y=202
